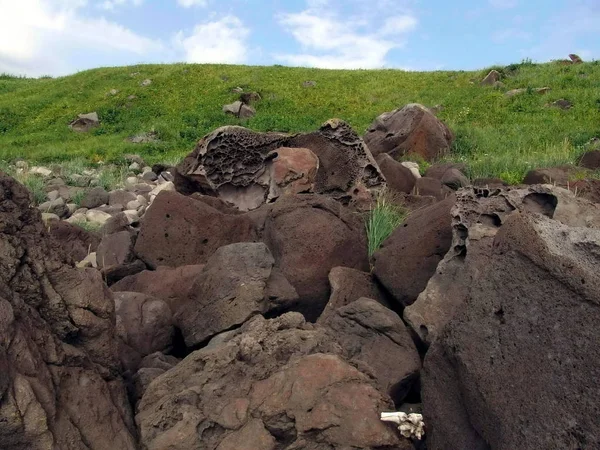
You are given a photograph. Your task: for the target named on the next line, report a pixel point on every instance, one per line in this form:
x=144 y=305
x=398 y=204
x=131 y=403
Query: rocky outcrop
x=278 y=383
x=60 y=384
x=411 y=130
x=234 y=163
x=523 y=345
x=409 y=257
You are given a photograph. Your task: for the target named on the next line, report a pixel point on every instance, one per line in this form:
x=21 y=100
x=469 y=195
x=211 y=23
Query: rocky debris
x=234 y=162
x=398 y=177
x=309 y=84
x=178 y=230
x=144 y=326
x=170 y=284
x=538 y=337
x=348 y=285
x=519 y=91
x=230 y=290
x=240 y=110
x=561 y=103
x=476 y=218
x=146 y=82
x=85 y=122
x=42 y=171
x=275 y=383
x=411 y=130
x=575 y=59
x=590 y=160
x=74 y=240
x=94 y=198
x=491 y=78
x=373 y=336
x=409 y=257
x=60 y=385
x=308 y=236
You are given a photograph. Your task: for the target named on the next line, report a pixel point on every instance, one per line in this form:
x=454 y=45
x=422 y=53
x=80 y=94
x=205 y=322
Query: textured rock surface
x=233 y=161
x=76 y=241
x=412 y=129
x=398 y=177
x=409 y=257
x=269 y=386
x=60 y=385
x=476 y=218
x=528 y=325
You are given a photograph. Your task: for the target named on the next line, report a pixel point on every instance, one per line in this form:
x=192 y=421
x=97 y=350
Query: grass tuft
x=383 y=219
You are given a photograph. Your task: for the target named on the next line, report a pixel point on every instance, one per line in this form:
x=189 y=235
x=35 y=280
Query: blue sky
x=58 y=37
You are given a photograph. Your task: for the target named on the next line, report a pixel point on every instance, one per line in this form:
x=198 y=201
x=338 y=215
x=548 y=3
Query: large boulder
x=230 y=290
x=411 y=130
x=234 y=163
x=178 y=230
x=277 y=383
x=60 y=383
x=476 y=218
x=308 y=236
x=409 y=257
x=515 y=366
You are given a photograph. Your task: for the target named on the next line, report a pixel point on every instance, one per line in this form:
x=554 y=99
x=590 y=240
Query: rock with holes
x=476 y=218
x=373 y=336
x=348 y=285
x=409 y=257
x=411 y=130
x=234 y=163
x=60 y=382
x=178 y=230
x=144 y=326
x=523 y=342
x=278 y=383
x=230 y=290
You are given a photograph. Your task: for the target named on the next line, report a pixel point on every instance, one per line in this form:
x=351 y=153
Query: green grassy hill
x=496 y=135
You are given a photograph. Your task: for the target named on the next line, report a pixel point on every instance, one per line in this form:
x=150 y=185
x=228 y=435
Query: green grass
x=383 y=219
x=495 y=135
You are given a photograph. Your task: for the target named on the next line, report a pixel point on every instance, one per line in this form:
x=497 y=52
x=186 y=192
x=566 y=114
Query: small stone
x=562 y=104
x=146 y=82
x=53 y=195
x=413 y=167
x=95 y=197
x=49 y=217
x=133 y=205
x=166 y=176
x=21 y=164
x=113 y=92
x=492 y=77
x=131 y=180
x=38 y=170
x=72 y=207
x=77 y=218
x=146 y=169
x=88 y=261
x=134 y=167
x=169 y=186
x=149 y=176
x=56 y=206
x=309 y=83
x=132 y=215
x=143 y=200
x=131 y=97
x=95 y=216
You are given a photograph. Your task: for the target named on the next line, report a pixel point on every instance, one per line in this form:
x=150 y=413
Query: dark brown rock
x=115 y=250
x=74 y=240
x=455 y=179
x=60 y=383
x=144 y=326
x=117 y=223
x=94 y=198
x=588 y=189
x=398 y=177
x=409 y=257
x=509 y=354
x=553 y=175
x=438 y=170
x=590 y=160
x=150 y=368
x=491 y=78
x=562 y=104
x=309 y=235
x=410 y=130
x=112 y=274
x=120 y=197
x=373 y=336
x=348 y=285
x=178 y=230
x=426 y=186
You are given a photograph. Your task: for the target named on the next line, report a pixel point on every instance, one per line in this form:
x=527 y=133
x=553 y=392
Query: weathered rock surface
x=528 y=325
x=232 y=161
x=398 y=177
x=491 y=78
x=94 y=198
x=476 y=218
x=74 y=240
x=590 y=160
x=274 y=384
x=409 y=257
x=412 y=129
x=60 y=384
x=85 y=122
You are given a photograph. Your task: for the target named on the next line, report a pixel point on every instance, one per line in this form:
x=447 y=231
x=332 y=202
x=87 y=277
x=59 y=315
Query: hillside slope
x=496 y=135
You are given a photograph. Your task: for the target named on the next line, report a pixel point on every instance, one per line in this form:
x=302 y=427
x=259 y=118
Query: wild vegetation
x=496 y=135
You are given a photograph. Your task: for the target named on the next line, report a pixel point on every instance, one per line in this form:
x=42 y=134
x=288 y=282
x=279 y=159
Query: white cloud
x=504 y=4
x=111 y=5
x=331 y=41
x=37 y=37
x=221 y=41
x=190 y=3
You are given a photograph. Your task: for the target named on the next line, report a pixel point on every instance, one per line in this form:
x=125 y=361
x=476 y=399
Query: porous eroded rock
x=274 y=384
x=233 y=162
x=292 y=171
x=60 y=384
x=476 y=217
x=411 y=130
x=522 y=346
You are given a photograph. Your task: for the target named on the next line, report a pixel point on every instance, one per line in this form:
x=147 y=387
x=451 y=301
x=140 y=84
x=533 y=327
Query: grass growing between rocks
x=383 y=219
x=496 y=135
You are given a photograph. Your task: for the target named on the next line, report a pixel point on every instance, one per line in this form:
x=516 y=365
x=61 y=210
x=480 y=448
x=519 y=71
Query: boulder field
x=240 y=308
